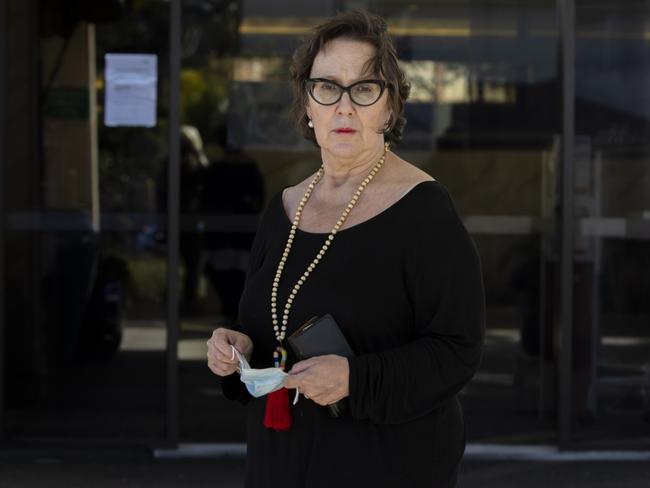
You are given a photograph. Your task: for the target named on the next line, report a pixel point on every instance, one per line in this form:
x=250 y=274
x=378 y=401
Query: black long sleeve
x=406 y=382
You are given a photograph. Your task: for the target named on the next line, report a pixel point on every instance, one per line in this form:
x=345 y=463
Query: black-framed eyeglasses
x=328 y=92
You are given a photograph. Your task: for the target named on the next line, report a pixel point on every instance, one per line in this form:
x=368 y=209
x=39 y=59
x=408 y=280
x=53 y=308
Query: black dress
x=406 y=288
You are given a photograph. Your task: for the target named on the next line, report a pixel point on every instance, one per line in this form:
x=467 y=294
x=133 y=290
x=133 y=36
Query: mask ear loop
x=238 y=369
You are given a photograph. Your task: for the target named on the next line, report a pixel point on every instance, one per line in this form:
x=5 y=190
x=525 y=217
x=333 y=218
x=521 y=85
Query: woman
x=376 y=243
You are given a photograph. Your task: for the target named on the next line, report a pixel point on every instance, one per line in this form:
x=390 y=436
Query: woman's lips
x=345 y=130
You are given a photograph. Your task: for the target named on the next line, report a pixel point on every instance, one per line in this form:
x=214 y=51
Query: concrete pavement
x=229 y=473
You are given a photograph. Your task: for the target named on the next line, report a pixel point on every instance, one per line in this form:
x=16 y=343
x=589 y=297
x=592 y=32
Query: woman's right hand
x=220 y=355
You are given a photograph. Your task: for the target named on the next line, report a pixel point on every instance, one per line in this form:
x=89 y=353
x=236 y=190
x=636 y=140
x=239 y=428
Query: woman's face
x=343 y=60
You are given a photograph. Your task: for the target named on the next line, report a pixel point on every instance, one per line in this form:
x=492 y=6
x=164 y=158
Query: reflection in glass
x=612 y=200
x=85 y=256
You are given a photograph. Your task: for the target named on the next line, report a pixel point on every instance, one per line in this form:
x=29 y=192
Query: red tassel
x=277 y=415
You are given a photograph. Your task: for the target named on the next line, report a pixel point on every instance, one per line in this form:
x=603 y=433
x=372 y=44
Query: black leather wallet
x=317 y=337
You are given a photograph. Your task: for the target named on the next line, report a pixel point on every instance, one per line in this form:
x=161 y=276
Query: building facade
x=141 y=139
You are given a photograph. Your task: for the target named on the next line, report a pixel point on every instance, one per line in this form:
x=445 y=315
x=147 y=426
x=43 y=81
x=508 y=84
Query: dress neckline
x=387 y=210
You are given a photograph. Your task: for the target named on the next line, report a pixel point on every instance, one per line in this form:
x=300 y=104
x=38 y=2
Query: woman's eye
x=364 y=88
x=328 y=86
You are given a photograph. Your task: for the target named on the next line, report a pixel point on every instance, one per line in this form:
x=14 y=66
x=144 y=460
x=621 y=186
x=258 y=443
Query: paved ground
x=228 y=473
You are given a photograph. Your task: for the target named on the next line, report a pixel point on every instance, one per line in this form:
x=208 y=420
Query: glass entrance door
x=85 y=203
x=85 y=248
x=611 y=326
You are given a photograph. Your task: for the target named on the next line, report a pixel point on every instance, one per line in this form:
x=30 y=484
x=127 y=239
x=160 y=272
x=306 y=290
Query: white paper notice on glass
x=130 y=89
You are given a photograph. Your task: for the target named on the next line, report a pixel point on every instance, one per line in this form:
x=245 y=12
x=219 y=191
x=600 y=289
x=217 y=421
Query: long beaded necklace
x=280 y=331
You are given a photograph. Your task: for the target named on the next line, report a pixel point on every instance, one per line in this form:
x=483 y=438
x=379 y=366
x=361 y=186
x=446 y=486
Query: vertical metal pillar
x=3 y=163
x=173 y=210
x=566 y=15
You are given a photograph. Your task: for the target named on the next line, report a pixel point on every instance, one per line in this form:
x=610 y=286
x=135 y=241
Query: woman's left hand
x=323 y=379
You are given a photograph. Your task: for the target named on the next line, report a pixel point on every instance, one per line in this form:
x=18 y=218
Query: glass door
x=483 y=120
x=222 y=192
x=611 y=327
x=85 y=249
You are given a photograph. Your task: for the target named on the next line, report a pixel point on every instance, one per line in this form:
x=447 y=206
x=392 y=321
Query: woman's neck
x=340 y=173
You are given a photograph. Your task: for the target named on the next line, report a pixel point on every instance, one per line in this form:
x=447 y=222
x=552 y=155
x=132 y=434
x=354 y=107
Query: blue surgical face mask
x=259 y=382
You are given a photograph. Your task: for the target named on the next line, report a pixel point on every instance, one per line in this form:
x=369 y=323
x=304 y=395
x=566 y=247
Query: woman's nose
x=344 y=106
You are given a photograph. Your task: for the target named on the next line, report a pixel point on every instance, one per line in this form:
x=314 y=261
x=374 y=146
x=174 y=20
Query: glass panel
x=222 y=193
x=612 y=201
x=86 y=272
x=482 y=119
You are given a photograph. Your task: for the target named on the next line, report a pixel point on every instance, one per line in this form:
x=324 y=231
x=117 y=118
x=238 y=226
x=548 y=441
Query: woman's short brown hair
x=357 y=25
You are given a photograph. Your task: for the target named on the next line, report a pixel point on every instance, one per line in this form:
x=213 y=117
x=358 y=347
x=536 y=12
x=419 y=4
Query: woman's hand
x=323 y=379
x=220 y=355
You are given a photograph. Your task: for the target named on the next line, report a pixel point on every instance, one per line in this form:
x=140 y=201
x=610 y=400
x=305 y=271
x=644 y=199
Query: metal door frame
x=564 y=328
x=3 y=159
x=173 y=228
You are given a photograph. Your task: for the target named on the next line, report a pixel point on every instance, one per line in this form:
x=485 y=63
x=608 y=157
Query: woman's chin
x=344 y=149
